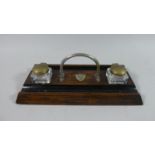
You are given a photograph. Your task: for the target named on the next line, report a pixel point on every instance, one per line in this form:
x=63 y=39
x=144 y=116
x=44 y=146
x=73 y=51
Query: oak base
x=73 y=92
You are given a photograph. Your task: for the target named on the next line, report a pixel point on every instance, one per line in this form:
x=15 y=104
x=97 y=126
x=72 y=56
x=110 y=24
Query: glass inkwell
x=117 y=74
x=41 y=74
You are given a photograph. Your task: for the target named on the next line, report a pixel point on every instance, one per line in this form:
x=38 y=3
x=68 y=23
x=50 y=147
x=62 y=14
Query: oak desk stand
x=72 y=92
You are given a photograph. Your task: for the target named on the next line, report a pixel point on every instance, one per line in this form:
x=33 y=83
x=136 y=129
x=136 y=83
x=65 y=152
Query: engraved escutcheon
x=80 y=77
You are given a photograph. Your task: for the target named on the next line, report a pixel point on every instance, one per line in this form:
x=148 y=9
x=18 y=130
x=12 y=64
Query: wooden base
x=68 y=98
x=73 y=92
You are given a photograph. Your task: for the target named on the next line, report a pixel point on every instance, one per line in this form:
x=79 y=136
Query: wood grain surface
x=73 y=92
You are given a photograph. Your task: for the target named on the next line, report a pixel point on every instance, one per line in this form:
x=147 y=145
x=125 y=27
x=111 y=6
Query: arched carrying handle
x=97 y=75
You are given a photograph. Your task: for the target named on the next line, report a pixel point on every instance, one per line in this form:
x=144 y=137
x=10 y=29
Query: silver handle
x=97 y=75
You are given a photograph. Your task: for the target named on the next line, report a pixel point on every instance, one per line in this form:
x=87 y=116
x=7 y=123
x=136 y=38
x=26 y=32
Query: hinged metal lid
x=40 y=69
x=118 y=70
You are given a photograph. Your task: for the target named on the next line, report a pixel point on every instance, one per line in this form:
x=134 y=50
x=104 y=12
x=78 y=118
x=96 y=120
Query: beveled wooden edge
x=69 y=98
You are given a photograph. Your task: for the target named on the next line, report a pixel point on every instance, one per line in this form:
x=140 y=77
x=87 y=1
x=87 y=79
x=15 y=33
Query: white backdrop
x=18 y=53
